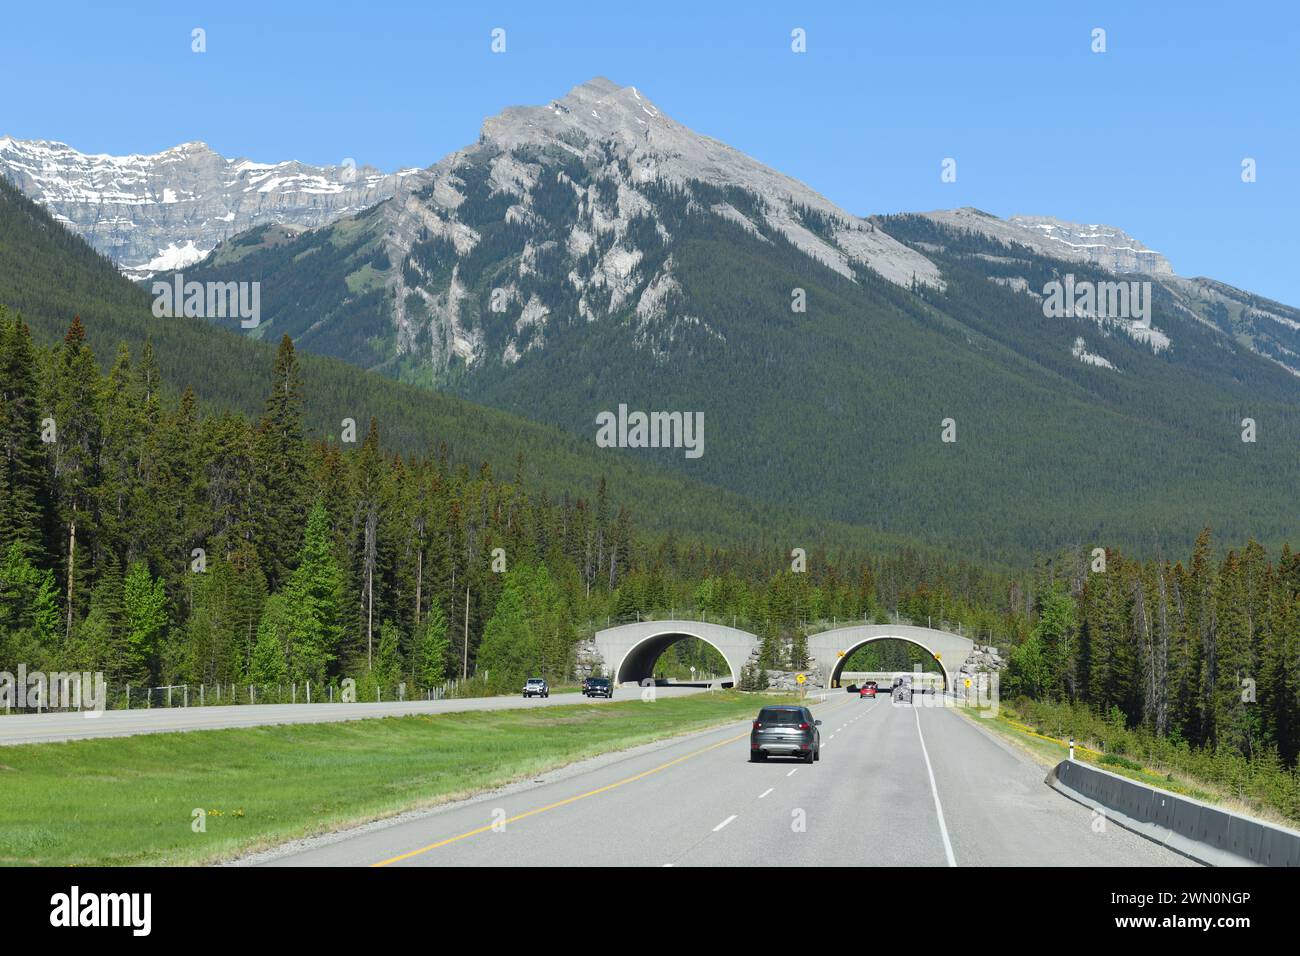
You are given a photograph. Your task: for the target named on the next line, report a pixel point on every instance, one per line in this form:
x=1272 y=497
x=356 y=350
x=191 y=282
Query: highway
x=896 y=785
x=48 y=728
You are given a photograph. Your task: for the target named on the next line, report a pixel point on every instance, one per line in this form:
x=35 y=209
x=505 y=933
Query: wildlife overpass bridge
x=628 y=652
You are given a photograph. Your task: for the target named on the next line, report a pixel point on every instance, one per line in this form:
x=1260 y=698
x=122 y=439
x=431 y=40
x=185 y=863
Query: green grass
x=1051 y=752
x=129 y=800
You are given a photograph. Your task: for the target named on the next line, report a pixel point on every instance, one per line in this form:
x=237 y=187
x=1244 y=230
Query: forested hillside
x=161 y=545
x=48 y=275
x=836 y=409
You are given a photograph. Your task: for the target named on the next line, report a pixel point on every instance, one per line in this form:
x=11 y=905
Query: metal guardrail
x=1206 y=833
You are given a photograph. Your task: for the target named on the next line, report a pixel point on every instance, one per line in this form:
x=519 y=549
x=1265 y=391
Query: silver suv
x=537 y=687
x=788 y=731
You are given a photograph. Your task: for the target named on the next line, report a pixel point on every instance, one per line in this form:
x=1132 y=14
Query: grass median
x=131 y=800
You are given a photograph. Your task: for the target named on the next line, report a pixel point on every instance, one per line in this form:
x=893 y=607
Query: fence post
x=187 y=695
x=309 y=692
x=250 y=694
x=295 y=693
x=200 y=695
x=128 y=696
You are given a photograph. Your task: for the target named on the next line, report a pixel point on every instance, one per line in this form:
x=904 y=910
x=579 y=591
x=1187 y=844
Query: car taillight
x=757 y=725
x=803 y=726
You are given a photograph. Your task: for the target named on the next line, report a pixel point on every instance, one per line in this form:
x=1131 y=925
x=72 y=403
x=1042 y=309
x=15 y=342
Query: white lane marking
x=724 y=823
x=666 y=865
x=938 y=807
x=793 y=772
x=766 y=792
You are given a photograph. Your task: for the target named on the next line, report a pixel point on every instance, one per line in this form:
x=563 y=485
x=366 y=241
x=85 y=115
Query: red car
x=868 y=690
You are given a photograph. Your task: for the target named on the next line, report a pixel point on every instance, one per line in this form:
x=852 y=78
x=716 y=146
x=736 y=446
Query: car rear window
x=774 y=715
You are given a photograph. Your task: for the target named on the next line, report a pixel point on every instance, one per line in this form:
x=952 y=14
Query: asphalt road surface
x=45 y=728
x=896 y=785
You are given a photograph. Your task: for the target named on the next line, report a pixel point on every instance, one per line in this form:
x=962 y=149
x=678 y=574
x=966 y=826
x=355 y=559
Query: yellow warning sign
x=800 y=679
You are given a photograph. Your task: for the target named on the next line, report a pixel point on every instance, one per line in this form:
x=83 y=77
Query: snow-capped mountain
x=150 y=213
x=591 y=254
x=559 y=214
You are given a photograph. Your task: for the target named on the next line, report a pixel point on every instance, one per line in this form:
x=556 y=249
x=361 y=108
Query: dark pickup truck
x=598 y=687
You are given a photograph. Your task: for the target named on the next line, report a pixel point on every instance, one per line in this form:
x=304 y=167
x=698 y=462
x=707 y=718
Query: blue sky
x=1148 y=136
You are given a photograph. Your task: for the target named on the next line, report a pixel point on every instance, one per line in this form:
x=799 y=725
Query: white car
x=537 y=687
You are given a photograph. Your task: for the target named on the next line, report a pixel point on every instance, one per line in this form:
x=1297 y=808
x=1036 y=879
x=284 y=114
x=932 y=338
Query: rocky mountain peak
x=1107 y=247
x=149 y=212
x=600 y=116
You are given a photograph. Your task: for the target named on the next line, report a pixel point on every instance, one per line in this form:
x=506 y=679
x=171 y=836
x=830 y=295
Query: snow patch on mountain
x=1106 y=247
x=146 y=211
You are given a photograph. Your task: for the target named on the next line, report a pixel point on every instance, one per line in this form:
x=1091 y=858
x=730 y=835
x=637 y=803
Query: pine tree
x=120 y=491
x=432 y=650
x=24 y=484
x=1235 y=715
x=366 y=521
x=313 y=598
x=144 y=611
x=268 y=668
x=1057 y=641
x=509 y=648
x=280 y=464
x=75 y=399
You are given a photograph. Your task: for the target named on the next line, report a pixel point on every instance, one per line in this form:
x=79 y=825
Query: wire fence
x=47 y=696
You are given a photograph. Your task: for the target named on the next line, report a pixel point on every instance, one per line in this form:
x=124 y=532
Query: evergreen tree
x=24 y=487
x=432 y=649
x=313 y=599
x=144 y=612
x=281 y=470
x=267 y=667
x=75 y=400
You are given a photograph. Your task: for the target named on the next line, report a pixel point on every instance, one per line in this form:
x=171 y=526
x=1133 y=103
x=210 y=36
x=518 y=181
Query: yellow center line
x=562 y=803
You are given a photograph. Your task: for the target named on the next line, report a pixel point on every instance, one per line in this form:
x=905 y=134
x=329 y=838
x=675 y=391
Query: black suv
x=787 y=731
x=598 y=687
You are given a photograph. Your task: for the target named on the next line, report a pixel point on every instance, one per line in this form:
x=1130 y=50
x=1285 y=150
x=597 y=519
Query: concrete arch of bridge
x=830 y=649
x=629 y=651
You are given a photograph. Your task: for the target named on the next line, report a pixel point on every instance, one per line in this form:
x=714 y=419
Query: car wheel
x=810 y=757
x=817 y=754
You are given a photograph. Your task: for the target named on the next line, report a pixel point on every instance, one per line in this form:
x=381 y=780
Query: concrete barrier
x=1207 y=834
